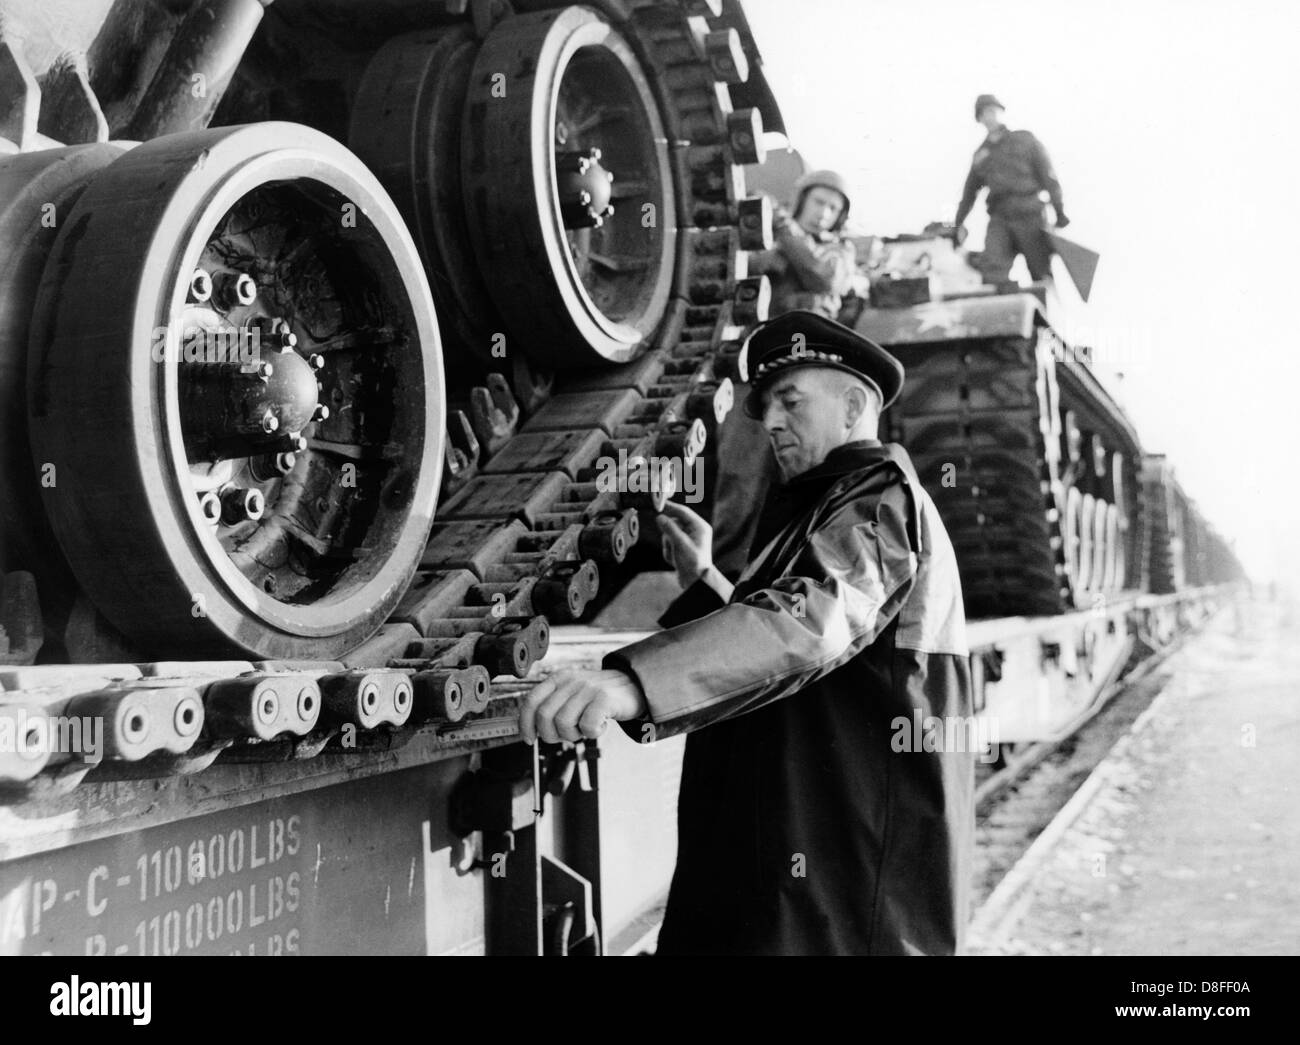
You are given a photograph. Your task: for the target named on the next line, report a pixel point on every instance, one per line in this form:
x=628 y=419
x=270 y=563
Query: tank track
x=524 y=528
x=1024 y=456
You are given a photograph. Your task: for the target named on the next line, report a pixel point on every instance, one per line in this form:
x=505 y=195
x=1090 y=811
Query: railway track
x=1039 y=790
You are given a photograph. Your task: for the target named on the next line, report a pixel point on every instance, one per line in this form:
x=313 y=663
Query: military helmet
x=827 y=180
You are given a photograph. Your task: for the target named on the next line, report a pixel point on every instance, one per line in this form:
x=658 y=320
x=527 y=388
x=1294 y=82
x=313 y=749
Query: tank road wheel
x=1122 y=554
x=37 y=191
x=236 y=370
x=1083 y=579
x=1114 y=579
x=568 y=188
x=1100 y=546
x=1120 y=511
x=1071 y=532
x=406 y=126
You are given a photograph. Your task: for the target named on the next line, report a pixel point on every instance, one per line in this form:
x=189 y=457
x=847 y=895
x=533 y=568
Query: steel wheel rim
x=131 y=496
x=582 y=64
x=289 y=165
x=522 y=206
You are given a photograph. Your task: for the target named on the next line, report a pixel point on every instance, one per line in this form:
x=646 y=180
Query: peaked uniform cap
x=802 y=338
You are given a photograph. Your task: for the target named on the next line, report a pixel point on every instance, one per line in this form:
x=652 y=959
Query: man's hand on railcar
x=577 y=705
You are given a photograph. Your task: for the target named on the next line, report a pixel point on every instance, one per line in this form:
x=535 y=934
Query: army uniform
x=1016 y=169
x=808 y=271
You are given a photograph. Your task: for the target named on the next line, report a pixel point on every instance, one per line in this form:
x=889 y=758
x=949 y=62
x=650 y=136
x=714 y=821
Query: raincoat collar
x=803 y=495
x=850 y=457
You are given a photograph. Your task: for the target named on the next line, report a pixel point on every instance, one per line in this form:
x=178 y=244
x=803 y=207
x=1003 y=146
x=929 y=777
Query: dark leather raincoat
x=803 y=828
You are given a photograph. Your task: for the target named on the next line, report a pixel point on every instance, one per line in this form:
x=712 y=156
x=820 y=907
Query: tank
x=1184 y=550
x=1039 y=475
x=345 y=349
x=1037 y=471
x=283 y=283
x=1034 y=467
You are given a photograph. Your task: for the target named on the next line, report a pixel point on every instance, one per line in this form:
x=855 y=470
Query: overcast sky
x=1172 y=128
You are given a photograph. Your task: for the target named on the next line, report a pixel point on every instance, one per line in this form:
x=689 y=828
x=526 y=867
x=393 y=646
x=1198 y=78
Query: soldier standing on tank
x=1015 y=168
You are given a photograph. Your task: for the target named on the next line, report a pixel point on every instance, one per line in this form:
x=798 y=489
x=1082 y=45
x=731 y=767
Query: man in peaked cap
x=813 y=818
x=1016 y=170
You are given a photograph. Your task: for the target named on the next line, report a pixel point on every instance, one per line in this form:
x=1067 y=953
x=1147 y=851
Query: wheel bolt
x=286 y=444
x=270 y=422
x=274 y=332
x=200 y=286
x=265 y=370
x=239 y=505
x=322 y=413
x=210 y=507
x=316 y=360
x=234 y=289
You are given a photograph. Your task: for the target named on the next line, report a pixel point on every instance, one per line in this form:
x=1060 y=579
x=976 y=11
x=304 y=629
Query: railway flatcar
x=320 y=325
